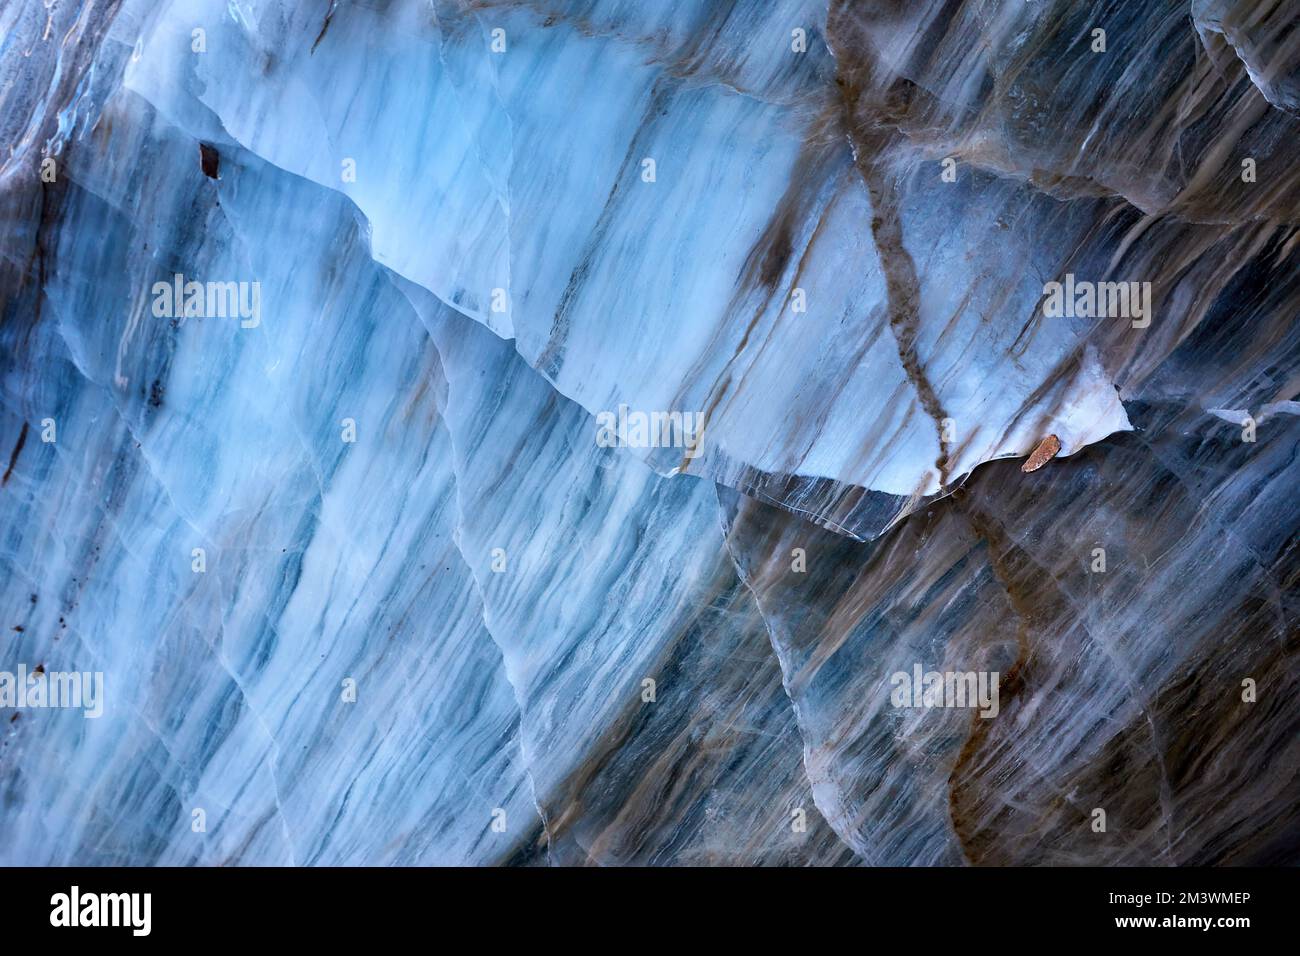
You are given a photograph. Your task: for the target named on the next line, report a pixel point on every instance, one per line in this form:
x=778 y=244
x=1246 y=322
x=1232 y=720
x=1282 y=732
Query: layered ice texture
x=363 y=584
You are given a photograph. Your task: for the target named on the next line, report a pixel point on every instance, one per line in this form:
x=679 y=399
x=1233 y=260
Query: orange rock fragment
x=1045 y=452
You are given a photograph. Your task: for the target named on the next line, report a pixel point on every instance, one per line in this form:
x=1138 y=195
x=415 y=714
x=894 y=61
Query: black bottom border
x=979 y=907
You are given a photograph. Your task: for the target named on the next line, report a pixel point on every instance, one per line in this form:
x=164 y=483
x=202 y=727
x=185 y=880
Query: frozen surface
x=365 y=587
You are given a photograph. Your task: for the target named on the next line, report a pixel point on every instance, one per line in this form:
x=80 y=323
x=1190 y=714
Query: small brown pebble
x=1045 y=452
x=210 y=161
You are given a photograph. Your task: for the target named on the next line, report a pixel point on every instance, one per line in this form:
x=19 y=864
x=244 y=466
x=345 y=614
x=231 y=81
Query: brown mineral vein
x=13 y=458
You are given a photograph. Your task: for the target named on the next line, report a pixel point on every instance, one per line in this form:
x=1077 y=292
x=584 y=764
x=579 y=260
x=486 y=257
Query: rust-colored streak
x=964 y=781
